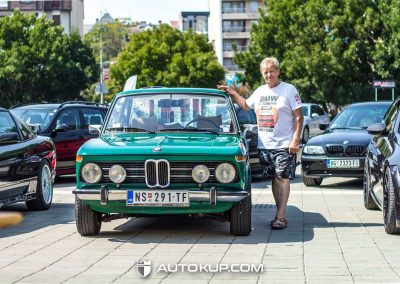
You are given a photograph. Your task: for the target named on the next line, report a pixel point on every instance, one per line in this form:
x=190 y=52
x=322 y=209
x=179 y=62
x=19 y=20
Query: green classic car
x=164 y=151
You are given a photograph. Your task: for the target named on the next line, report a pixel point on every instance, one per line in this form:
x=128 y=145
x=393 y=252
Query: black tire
x=240 y=216
x=369 y=203
x=44 y=189
x=88 y=221
x=311 y=181
x=389 y=206
x=306 y=135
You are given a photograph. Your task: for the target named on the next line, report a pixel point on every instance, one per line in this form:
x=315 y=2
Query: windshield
x=35 y=116
x=359 y=116
x=170 y=112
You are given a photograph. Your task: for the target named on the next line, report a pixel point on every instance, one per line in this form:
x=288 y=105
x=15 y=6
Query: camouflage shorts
x=278 y=163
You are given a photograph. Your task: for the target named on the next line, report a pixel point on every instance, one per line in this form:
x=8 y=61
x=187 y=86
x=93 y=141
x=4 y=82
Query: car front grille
x=334 y=150
x=157 y=173
x=349 y=150
x=179 y=171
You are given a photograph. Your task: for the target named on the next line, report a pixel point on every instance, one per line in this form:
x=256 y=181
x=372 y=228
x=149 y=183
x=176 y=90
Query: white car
x=314 y=115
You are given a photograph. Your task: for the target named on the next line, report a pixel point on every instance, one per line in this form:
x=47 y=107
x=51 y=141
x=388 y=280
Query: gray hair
x=274 y=61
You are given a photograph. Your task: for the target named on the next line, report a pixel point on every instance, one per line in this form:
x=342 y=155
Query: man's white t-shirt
x=275 y=120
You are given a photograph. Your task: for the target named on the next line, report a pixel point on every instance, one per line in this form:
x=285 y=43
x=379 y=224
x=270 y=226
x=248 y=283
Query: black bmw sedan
x=340 y=150
x=382 y=169
x=27 y=164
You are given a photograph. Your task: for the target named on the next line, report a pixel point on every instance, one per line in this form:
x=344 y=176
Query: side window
x=314 y=109
x=390 y=117
x=92 y=116
x=246 y=117
x=70 y=118
x=320 y=111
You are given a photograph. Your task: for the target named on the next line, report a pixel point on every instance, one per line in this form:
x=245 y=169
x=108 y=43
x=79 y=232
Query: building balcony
x=240 y=16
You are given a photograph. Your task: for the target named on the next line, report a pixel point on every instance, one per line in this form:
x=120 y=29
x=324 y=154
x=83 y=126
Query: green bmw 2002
x=165 y=151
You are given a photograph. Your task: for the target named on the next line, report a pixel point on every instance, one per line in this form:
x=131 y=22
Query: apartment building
x=229 y=28
x=68 y=13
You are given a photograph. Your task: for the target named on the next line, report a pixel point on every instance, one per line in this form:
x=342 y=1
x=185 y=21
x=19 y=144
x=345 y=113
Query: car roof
x=59 y=105
x=163 y=90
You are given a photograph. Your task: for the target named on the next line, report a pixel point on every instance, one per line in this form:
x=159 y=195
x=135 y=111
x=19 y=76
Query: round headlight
x=225 y=173
x=200 y=173
x=117 y=174
x=91 y=173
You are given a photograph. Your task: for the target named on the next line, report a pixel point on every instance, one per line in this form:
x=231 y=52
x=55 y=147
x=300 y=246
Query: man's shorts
x=277 y=163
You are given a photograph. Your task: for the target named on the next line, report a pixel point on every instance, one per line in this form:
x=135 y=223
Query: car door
x=15 y=157
x=323 y=118
x=383 y=149
x=68 y=136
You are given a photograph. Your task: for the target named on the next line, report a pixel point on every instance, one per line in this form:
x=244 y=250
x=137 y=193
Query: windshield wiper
x=194 y=129
x=345 y=128
x=129 y=129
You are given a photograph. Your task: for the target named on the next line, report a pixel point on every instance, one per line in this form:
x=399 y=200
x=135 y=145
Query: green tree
x=41 y=63
x=325 y=47
x=114 y=37
x=167 y=57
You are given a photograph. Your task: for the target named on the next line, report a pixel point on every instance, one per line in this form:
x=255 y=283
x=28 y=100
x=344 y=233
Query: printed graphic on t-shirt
x=267 y=113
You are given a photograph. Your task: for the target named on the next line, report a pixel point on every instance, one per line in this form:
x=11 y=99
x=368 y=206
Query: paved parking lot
x=331 y=238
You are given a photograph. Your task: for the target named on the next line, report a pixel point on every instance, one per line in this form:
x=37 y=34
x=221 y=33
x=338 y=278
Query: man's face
x=270 y=74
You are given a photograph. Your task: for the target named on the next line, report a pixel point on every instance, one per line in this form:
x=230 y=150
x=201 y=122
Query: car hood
x=170 y=144
x=340 y=136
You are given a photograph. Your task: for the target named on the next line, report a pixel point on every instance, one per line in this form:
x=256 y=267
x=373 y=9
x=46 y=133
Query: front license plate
x=167 y=198
x=342 y=164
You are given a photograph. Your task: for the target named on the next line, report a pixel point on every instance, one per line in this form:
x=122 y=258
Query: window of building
x=253 y=6
x=57 y=19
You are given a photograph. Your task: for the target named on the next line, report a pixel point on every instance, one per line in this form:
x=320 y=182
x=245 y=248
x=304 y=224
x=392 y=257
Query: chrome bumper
x=213 y=196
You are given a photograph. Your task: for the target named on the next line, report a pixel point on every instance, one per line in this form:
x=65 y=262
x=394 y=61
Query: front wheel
x=240 y=217
x=389 y=206
x=88 y=221
x=369 y=203
x=312 y=181
x=44 y=189
x=306 y=135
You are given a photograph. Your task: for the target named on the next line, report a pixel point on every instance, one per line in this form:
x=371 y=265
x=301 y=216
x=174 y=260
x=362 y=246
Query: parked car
x=314 y=115
x=27 y=164
x=340 y=150
x=165 y=151
x=381 y=171
x=67 y=124
x=247 y=122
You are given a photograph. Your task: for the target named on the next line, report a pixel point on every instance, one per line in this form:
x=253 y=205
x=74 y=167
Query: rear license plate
x=167 y=198
x=342 y=164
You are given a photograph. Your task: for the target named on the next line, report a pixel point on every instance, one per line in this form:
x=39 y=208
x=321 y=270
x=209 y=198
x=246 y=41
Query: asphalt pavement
x=331 y=238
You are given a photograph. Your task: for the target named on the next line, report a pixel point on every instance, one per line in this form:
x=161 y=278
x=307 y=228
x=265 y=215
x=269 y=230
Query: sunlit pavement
x=331 y=238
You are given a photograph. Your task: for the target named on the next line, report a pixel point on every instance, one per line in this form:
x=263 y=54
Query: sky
x=150 y=11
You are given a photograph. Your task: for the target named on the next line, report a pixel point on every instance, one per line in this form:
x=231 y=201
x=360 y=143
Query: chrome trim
x=157 y=175
x=121 y=195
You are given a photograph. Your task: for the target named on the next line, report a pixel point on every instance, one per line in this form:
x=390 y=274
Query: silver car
x=314 y=115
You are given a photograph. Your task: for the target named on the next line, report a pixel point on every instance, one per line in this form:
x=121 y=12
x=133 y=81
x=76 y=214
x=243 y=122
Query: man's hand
x=224 y=88
x=294 y=147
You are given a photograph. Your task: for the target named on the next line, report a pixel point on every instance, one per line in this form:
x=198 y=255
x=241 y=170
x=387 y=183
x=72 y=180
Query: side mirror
x=94 y=129
x=9 y=138
x=323 y=126
x=314 y=115
x=61 y=128
x=376 y=129
x=37 y=128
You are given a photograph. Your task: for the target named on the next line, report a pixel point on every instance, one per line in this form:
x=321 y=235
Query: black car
x=340 y=150
x=381 y=171
x=248 y=122
x=67 y=124
x=27 y=164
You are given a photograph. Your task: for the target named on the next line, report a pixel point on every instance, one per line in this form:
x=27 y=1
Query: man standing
x=280 y=119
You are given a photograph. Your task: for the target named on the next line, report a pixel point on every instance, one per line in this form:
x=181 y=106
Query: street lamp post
x=101 y=60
